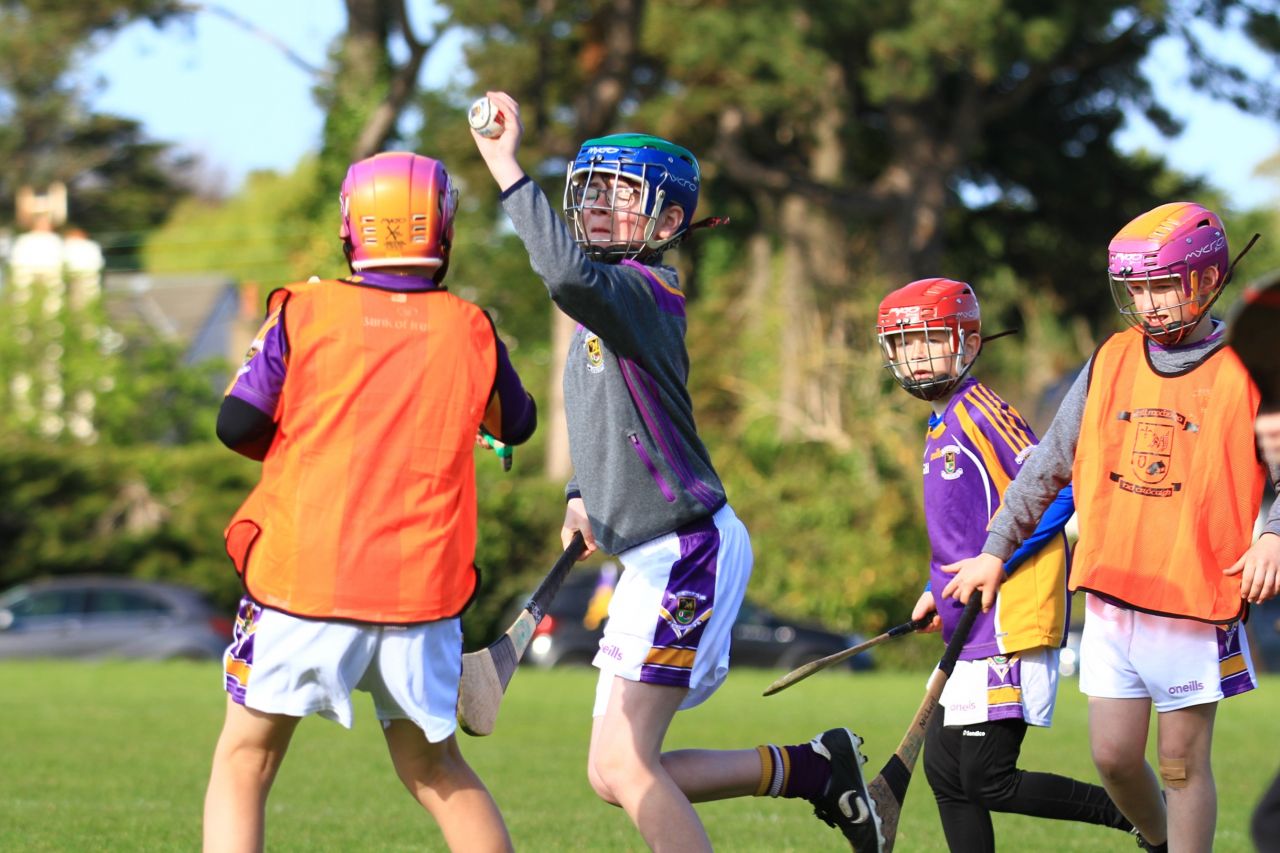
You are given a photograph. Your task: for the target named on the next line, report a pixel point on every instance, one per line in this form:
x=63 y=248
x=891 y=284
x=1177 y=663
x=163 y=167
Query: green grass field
x=115 y=756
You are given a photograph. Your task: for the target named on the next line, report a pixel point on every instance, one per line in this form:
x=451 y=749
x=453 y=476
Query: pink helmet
x=397 y=211
x=1173 y=243
x=928 y=305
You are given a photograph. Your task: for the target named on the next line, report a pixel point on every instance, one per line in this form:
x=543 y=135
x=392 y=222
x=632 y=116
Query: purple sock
x=809 y=772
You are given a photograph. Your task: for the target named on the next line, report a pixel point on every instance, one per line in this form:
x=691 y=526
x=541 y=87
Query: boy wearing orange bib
x=363 y=397
x=1156 y=434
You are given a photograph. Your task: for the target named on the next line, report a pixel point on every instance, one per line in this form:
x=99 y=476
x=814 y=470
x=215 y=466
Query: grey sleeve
x=1042 y=476
x=611 y=300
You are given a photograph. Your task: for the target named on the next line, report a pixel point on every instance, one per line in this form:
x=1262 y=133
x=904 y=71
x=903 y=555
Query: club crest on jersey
x=950 y=457
x=684 y=616
x=595 y=353
x=1153 y=433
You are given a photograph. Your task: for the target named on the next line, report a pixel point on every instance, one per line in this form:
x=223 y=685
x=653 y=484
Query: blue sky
x=228 y=95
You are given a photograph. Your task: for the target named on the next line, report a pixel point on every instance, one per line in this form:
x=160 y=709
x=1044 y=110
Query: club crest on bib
x=684 y=616
x=595 y=353
x=1151 y=452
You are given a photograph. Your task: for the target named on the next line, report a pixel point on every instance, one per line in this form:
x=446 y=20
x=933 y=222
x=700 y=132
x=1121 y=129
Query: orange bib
x=1167 y=481
x=367 y=509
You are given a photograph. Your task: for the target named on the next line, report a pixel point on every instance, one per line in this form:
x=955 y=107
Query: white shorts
x=1177 y=663
x=281 y=664
x=1020 y=686
x=671 y=617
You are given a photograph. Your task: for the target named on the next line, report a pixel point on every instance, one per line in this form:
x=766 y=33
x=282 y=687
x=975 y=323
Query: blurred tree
x=858 y=146
x=119 y=183
x=248 y=236
x=571 y=66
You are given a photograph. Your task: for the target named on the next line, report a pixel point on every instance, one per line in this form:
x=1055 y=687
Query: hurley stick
x=800 y=673
x=487 y=672
x=889 y=788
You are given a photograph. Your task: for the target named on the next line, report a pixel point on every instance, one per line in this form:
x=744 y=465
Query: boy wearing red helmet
x=930 y=333
x=363 y=396
x=1156 y=434
x=644 y=489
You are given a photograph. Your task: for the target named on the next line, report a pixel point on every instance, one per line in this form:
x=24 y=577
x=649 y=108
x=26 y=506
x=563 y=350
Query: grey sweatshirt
x=638 y=463
x=1048 y=469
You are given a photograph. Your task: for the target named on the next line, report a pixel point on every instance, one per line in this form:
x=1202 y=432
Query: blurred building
x=209 y=315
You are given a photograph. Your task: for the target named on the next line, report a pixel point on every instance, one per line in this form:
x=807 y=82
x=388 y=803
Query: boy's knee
x=418 y=762
x=615 y=770
x=1115 y=763
x=600 y=786
x=251 y=760
x=1175 y=771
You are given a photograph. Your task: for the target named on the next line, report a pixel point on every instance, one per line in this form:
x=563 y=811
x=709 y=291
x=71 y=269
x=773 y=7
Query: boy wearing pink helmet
x=930 y=332
x=363 y=396
x=1156 y=435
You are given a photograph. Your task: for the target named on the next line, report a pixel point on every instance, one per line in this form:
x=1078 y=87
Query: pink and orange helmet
x=397 y=211
x=929 y=305
x=1174 y=243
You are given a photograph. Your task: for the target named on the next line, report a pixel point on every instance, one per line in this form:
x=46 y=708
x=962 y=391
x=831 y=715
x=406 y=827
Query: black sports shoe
x=845 y=803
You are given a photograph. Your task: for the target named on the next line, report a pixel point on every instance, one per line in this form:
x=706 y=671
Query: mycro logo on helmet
x=691 y=186
x=1216 y=246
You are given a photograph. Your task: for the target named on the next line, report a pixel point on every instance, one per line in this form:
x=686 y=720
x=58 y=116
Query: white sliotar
x=485 y=118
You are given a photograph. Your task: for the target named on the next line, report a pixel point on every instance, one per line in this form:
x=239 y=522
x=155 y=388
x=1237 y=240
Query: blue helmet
x=664 y=172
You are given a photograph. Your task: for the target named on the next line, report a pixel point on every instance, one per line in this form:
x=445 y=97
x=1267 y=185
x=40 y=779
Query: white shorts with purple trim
x=280 y=664
x=1018 y=686
x=672 y=613
x=1177 y=663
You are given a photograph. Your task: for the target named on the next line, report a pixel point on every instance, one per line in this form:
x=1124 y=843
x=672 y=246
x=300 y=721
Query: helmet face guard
x=1158 y=267
x=629 y=178
x=397 y=211
x=923 y=330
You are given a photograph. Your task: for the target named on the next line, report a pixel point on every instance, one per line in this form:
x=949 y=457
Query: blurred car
x=1263 y=627
x=87 y=616
x=570 y=630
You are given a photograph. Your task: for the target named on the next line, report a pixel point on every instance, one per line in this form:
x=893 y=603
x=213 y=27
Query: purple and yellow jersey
x=260 y=379
x=972 y=452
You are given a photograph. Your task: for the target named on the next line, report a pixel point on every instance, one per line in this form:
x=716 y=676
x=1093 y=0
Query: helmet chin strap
x=1171 y=335
x=1232 y=267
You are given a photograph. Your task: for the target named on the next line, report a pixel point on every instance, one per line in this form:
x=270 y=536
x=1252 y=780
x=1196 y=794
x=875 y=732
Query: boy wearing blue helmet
x=644 y=490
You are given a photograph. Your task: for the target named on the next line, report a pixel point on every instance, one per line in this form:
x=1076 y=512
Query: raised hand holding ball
x=485 y=118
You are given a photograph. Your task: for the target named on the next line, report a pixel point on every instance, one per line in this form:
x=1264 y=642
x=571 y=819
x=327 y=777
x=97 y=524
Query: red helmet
x=397 y=211
x=1173 y=245
x=929 y=305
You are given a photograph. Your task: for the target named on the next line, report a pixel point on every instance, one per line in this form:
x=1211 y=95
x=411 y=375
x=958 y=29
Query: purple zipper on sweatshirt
x=660 y=429
x=653 y=469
